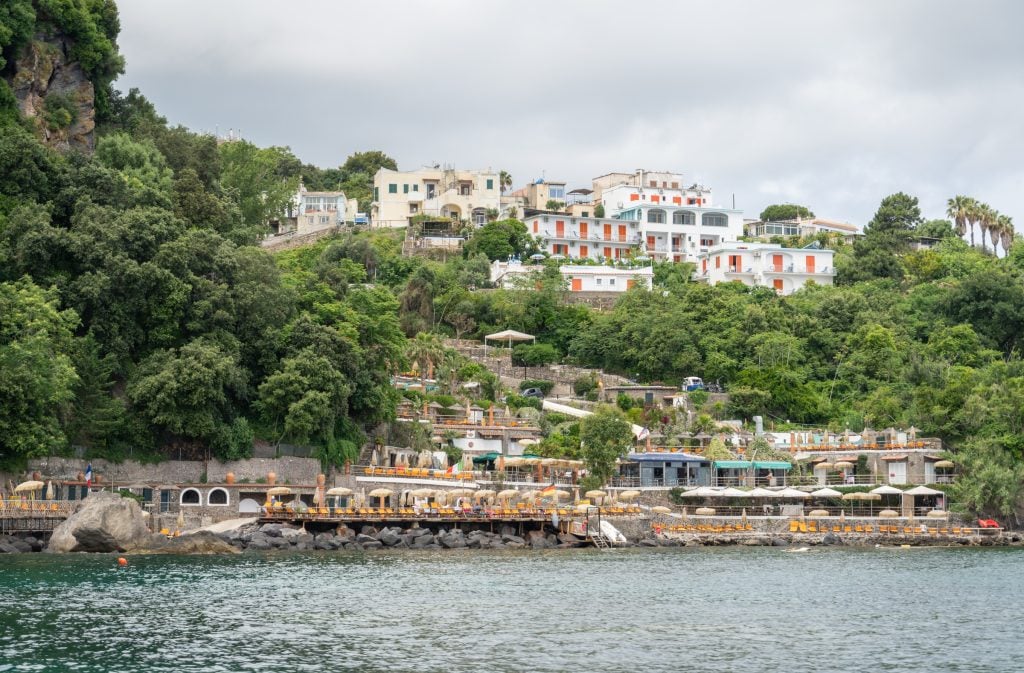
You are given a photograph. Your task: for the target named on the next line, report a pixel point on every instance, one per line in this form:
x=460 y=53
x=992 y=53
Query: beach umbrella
x=381 y=493
x=340 y=491
x=629 y=496
x=279 y=490
x=557 y=495
x=842 y=516
x=945 y=464
x=826 y=493
x=29 y=486
x=843 y=465
x=743 y=516
x=661 y=509
x=818 y=512
x=483 y=494
x=181 y=519
x=793 y=493
x=888 y=514
x=761 y=492
x=852 y=496
x=49 y=491
x=596 y=494
x=423 y=493
x=513 y=461
x=507 y=494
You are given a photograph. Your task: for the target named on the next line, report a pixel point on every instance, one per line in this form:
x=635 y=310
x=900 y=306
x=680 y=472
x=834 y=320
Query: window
x=392 y=188
x=190 y=496
x=683 y=217
x=415 y=188
x=324 y=219
x=599 y=281
x=715 y=220
x=656 y=216
x=405 y=189
x=414 y=208
x=586 y=213
x=490 y=183
x=556 y=192
x=376 y=193
x=217 y=496
x=611 y=281
x=479 y=217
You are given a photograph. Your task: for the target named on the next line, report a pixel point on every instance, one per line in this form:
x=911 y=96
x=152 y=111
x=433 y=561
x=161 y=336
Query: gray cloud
x=829 y=104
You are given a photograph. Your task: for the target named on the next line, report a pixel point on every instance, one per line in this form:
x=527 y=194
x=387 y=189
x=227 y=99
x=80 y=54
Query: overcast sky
x=832 y=105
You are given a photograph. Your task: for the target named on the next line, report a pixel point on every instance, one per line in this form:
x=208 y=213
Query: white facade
x=584 y=237
x=800 y=227
x=766 y=265
x=437 y=192
x=578 y=277
x=321 y=209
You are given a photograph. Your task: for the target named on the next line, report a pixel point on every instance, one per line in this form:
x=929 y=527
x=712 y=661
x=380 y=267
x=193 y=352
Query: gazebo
x=509 y=336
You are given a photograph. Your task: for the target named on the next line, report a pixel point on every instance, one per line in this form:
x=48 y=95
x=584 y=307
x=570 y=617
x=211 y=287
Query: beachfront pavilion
x=750 y=473
x=664 y=468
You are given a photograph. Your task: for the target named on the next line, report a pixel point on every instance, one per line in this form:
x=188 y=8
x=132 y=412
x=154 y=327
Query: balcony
x=791 y=268
x=739 y=270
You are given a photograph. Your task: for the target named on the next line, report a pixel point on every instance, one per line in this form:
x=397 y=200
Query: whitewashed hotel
x=786 y=270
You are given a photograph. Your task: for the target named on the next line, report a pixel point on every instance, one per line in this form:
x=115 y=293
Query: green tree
x=252 y=176
x=784 y=211
x=192 y=392
x=500 y=239
x=36 y=372
x=305 y=398
x=604 y=437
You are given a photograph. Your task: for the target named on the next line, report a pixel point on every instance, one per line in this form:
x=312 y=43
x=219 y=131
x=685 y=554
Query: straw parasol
x=49 y=491
x=743 y=516
x=507 y=494
x=825 y=466
x=627 y=496
x=946 y=464
x=279 y=490
x=661 y=509
x=422 y=493
x=340 y=491
x=29 y=486
x=888 y=514
x=483 y=494
x=843 y=465
x=557 y=495
x=513 y=461
x=381 y=493
x=595 y=494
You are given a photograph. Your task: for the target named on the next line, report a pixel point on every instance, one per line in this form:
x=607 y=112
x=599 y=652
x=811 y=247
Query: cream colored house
x=438 y=192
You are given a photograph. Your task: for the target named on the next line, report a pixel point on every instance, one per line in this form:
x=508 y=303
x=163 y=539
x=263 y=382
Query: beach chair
x=869 y=529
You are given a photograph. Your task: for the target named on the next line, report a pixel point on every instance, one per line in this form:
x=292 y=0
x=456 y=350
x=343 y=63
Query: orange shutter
x=810 y=263
x=622 y=232
x=650 y=243
x=655 y=198
x=607 y=252
x=583 y=229
x=577 y=284
x=607 y=232
x=535 y=226
x=634 y=197
x=583 y=251
x=777 y=262
x=718 y=261
x=559 y=228
x=777 y=284
x=630 y=283
x=678 y=200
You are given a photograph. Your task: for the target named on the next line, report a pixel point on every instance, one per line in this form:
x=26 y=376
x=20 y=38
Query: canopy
x=661 y=509
x=595 y=494
x=507 y=494
x=732 y=464
x=380 y=493
x=340 y=491
x=509 y=336
x=733 y=493
x=701 y=492
x=945 y=464
x=772 y=465
x=486 y=458
x=887 y=490
x=483 y=493
x=762 y=493
x=27 y=486
x=279 y=490
x=793 y=493
x=626 y=496
x=666 y=457
x=826 y=493
x=923 y=490
x=423 y=493
x=843 y=465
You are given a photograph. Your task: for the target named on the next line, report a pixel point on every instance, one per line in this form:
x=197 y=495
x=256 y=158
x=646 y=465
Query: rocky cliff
x=53 y=91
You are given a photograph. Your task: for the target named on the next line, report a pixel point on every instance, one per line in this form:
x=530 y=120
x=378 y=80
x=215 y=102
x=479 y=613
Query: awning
x=732 y=464
x=772 y=465
x=665 y=457
x=894 y=458
x=486 y=458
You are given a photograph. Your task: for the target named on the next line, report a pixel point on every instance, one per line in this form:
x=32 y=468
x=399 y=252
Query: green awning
x=486 y=458
x=772 y=465
x=732 y=464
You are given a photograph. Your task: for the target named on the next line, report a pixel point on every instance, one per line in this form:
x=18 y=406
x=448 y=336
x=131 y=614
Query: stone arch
x=190 y=496
x=218 y=497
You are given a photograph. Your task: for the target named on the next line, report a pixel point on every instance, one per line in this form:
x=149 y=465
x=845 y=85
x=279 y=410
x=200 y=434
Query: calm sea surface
x=727 y=609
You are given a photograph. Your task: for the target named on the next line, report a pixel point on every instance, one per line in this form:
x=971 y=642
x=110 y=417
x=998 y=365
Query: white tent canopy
x=509 y=336
x=887 y=490
x=923 y=490
x=826 y=493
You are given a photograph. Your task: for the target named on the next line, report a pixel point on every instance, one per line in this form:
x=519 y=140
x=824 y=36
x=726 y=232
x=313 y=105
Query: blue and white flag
x=88 y=475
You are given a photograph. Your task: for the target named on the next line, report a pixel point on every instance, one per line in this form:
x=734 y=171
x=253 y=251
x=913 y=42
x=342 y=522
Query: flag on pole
x=88 y=475
x=644 y=434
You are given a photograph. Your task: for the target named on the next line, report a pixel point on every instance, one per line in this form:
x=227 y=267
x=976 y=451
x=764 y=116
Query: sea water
x=722 y=609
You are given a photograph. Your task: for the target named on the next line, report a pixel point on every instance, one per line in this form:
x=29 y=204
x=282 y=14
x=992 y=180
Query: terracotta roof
x=899 y=457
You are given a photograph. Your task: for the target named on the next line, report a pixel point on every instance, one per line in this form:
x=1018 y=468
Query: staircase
x=600 y=541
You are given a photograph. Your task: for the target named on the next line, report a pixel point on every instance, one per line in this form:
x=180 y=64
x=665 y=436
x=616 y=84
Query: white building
x=437 y=192
x=766 y=265
x=313 y=211
x=584 y=237
x=801 y=227
x=579 y=277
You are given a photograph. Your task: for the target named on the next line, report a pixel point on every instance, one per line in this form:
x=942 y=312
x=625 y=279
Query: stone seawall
x=288 y=469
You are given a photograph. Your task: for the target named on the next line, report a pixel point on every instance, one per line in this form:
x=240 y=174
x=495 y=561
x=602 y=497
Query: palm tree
x=972 y=216
x=1005 y=224
x=426 y=350
x=986 y=221
x=958 y=210
x=504 y=181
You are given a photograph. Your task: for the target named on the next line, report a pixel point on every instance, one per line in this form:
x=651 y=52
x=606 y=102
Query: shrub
x=584 y=385
x=624 y=402
x=518 y=401
x=545 y=386
x=536 y=355
x=698 y=398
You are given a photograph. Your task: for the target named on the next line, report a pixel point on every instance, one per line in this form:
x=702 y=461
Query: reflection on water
x=730 y=609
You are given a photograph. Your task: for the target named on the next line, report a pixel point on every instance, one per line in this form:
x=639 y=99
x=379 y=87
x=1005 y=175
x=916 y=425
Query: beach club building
x=786 y=270
x=578 y=277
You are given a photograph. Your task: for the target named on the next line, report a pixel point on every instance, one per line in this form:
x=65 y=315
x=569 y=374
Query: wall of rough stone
x=288 y=469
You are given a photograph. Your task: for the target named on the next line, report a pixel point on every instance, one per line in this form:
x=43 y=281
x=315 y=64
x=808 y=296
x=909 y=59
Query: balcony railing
x=790 y=268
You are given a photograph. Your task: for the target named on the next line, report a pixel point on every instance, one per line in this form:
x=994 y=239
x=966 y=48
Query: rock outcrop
x=103 y=522
x=53 y=91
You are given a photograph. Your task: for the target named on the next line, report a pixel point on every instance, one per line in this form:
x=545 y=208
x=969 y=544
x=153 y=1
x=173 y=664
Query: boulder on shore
x=103 y=522
x=200 y=542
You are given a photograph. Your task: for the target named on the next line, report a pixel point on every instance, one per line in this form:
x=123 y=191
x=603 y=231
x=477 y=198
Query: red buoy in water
x=122 y=561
